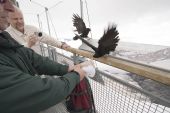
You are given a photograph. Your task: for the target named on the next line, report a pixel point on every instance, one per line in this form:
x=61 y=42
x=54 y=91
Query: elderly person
x=20 y=90
x=26 y=34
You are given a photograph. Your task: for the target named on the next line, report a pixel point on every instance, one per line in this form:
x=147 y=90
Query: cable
x=90 y=28
x=88 y=18
x=52 y=24
x=55 y=5
x=38 y=4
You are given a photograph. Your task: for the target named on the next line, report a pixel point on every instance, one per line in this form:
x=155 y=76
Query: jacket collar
x=6 y=41
x=18 y=33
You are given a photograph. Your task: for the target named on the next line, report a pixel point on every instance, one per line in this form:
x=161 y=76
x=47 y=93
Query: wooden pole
x=154 y=73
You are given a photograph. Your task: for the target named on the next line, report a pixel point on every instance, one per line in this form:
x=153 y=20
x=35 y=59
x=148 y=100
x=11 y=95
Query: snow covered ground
x=162 y=64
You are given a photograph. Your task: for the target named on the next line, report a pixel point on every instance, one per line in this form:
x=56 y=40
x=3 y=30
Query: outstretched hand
x=64 y=45
x=78 y=69
x=32 y=40
x=81 y=72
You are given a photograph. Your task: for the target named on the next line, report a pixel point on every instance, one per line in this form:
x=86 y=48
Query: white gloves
x=89 y=68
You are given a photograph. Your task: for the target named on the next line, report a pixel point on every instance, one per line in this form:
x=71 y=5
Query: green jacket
x=23 y=92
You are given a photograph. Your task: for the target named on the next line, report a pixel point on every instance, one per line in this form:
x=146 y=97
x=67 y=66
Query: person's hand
x=64 y=45
x=71 y=67
x=79 y=70
x=32 y=40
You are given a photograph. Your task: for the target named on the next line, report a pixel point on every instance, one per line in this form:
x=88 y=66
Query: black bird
x=107 y=42
x=80 y=27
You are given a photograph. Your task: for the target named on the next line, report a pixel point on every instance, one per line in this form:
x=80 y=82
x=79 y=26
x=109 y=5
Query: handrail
x=157 y=74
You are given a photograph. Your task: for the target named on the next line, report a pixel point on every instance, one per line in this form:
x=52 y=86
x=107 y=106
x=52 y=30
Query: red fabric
x=80 y=96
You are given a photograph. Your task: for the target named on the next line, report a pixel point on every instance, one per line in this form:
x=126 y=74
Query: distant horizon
x=70 y=39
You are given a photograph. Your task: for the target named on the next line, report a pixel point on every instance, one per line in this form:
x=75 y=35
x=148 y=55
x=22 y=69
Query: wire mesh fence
x=113 y=95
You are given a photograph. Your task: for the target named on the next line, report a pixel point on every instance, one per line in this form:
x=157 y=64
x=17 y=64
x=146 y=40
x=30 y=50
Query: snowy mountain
x=158 y=56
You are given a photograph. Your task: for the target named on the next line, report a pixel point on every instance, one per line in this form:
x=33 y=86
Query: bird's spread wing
x=78 y=23
x=109 y=40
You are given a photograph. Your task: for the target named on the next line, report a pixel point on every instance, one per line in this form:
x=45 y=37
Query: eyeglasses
x=7 y=5
x=3 y=1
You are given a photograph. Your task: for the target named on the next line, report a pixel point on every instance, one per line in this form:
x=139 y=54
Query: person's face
x=5 y=7
x=16 y=20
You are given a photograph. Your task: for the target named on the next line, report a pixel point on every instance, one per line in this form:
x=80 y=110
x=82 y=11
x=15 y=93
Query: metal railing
x=113 y=95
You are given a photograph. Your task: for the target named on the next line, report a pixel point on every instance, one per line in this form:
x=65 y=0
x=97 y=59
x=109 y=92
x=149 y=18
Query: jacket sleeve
x=44 y=65
x=24 y=93
x=50 y=40
x=45 y=37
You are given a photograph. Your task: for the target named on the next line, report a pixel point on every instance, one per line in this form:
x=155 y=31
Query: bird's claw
x=75 y=38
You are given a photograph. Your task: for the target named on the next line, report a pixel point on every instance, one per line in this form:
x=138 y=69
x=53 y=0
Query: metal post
x=46 y=11
x=15 y=3
x=38 y=16
x=81 y=8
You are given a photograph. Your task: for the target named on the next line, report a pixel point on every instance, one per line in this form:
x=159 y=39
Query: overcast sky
x=141 y=21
